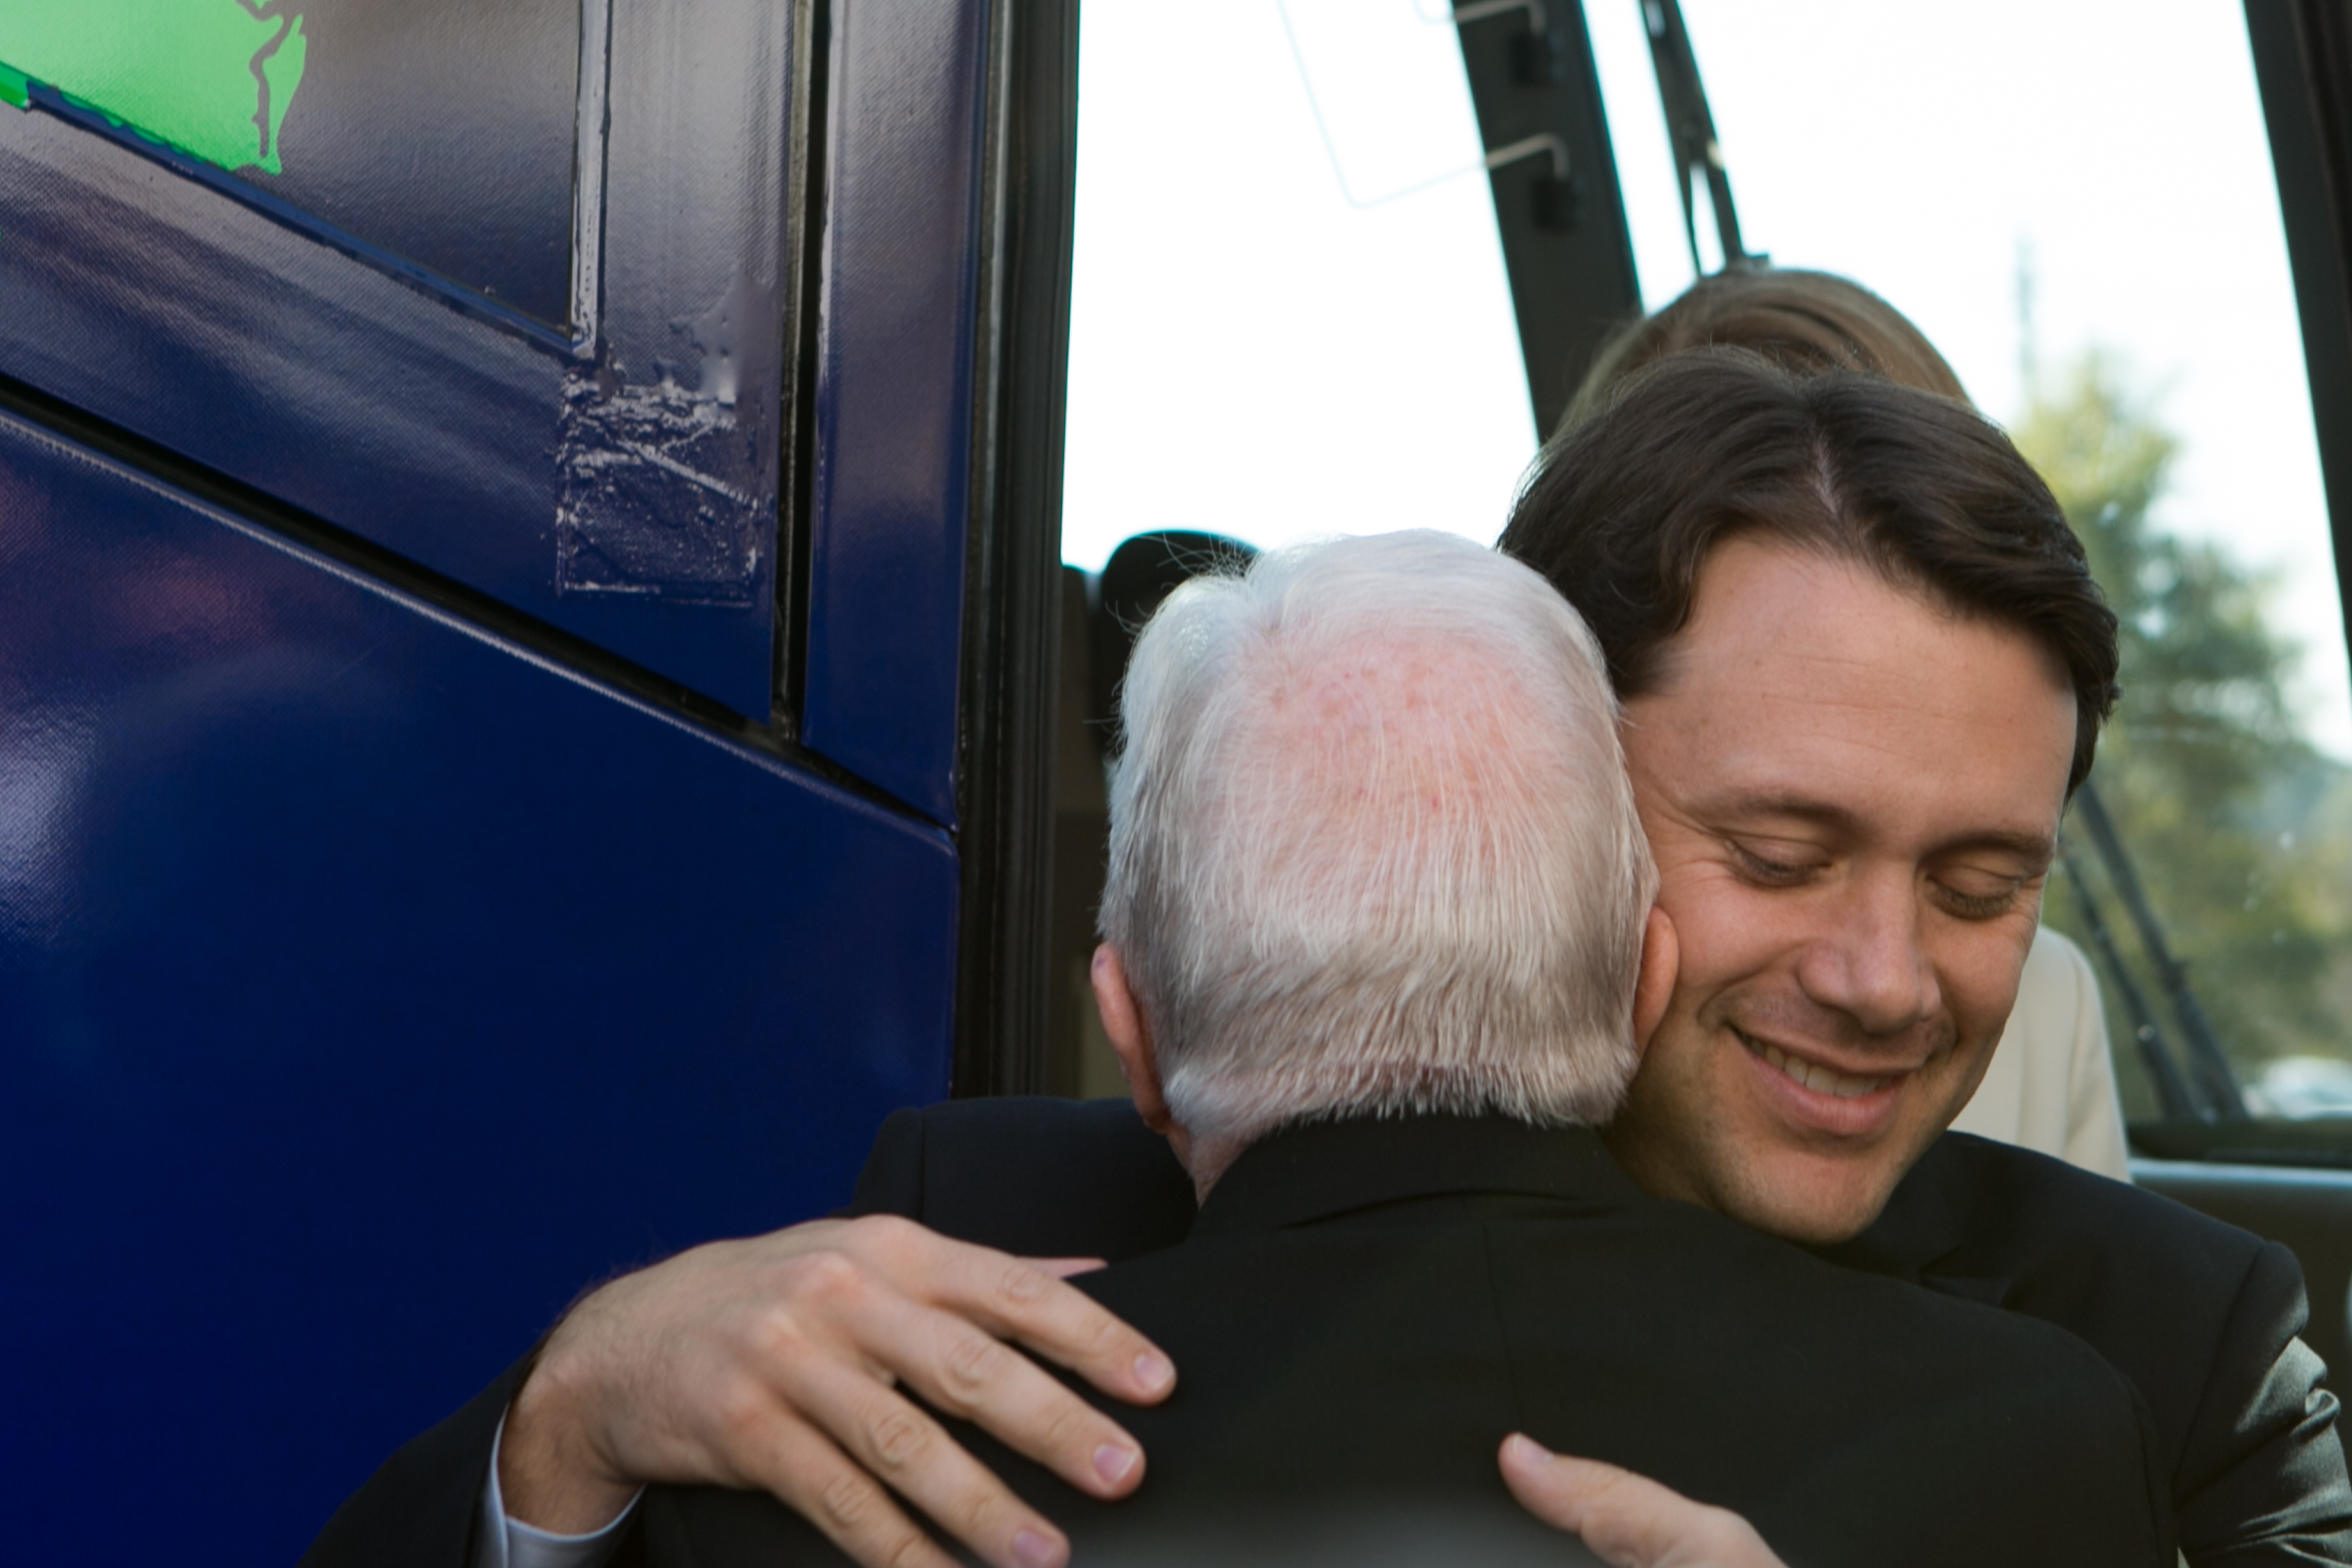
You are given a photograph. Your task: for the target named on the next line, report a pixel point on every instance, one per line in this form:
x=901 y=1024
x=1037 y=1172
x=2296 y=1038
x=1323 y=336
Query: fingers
x=966 y=1372
x=1627 y=1520
x=1065 y=1268
x=1018 y=1300
x=892 y=1444
x=777 y=1363
x=818 y=1482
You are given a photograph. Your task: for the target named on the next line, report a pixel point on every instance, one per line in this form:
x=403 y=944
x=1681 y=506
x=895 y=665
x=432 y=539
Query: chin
x=1811 y=1206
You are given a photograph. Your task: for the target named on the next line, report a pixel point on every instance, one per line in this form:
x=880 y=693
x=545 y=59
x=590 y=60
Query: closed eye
x=1770 y=871
x=1970 y=906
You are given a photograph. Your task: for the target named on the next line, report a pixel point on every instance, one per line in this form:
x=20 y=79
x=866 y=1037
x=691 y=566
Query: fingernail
x=1527 y=1450
x=1036 y=1550
x=1153 y=1370
x=1112 y=1463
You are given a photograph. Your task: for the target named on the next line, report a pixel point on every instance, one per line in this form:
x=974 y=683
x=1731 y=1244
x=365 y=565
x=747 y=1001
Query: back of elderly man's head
x=1373 y=846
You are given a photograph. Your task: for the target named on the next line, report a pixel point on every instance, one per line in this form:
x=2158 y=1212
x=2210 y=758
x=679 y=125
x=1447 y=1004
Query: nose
x=1870 y=963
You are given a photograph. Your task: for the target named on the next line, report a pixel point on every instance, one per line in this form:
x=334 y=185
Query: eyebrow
x=2041 y=848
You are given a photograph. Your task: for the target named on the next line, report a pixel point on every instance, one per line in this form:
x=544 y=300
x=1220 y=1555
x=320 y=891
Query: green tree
x=2241 y=832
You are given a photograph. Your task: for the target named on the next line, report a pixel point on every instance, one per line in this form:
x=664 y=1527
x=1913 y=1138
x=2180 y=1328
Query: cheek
x=1978 y=968
x=1725 y=931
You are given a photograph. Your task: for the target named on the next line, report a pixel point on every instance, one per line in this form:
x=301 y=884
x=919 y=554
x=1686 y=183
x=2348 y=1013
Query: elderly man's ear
x=1131 y=1036
x=1661 y=958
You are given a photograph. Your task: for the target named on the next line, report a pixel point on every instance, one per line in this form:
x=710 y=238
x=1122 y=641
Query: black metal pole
x=2207 y=1063
x=1690 y=125
x=2174 y=1093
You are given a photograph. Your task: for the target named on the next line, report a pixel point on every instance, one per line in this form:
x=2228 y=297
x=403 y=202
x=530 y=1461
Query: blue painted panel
x=628 y=496
x=430 y=77
x=366 y=987
x=894 y=393
x=439 y=131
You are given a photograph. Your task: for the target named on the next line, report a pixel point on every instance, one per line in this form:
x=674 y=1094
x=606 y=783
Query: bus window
x=2075 y=200
x=1291 y=318
x=1283 y=324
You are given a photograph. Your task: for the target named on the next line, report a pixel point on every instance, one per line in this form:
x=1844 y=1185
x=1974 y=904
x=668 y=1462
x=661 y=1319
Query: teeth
x=1813 y=1076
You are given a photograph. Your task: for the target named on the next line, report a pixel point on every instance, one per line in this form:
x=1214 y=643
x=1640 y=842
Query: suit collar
x=1314 y=1170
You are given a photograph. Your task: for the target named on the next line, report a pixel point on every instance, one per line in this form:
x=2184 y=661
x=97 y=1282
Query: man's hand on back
x=773 y=1364
x=1628 y=1520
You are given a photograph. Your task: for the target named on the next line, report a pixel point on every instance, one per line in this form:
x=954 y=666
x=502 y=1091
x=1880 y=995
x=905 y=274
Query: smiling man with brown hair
x=1862 y=664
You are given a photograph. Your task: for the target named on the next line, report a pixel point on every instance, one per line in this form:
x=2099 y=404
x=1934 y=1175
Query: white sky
x=1254 y=353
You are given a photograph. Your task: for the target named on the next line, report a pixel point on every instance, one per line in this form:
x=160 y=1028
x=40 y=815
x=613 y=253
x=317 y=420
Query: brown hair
x=1806 y=321
x=1620 y=510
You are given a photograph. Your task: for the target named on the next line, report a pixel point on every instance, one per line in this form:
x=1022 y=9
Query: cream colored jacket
x=2051 y=1085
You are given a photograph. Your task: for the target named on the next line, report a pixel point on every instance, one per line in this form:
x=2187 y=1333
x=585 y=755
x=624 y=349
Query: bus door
x=488 y=793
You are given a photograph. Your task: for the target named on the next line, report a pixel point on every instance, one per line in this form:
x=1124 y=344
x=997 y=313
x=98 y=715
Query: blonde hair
x=1805 y=322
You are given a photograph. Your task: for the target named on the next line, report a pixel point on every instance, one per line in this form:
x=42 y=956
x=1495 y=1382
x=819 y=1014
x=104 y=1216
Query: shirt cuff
x=503 y=1543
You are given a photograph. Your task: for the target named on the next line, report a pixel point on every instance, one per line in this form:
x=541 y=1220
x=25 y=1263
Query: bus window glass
x=1289 y=315
x=2074 y=199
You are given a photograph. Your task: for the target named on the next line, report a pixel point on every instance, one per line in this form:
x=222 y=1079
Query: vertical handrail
x=2207 y=1063
x=1690 y=125
x=2174 y=1093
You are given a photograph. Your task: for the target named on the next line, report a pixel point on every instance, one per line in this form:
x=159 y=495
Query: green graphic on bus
x=211 y=78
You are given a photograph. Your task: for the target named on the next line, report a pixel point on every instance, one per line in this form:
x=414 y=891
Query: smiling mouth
x=1813 y=1075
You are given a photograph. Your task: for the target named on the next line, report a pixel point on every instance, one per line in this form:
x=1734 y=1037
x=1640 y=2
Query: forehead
x=1808 y=676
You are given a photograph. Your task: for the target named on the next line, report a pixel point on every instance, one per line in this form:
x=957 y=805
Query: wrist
x=552 y=1474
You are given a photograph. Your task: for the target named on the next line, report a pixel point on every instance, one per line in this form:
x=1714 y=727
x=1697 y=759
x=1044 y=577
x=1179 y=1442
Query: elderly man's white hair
x=1373 y=846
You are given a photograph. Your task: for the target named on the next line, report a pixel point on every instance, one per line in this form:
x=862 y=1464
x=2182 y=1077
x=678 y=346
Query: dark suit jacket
x=2200 y=1316
x=1365 y=1307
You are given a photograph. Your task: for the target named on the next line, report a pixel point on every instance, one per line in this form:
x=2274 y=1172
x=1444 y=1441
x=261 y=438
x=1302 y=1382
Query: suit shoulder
x=1032 y=1175
x=996 y=1122
x=2199 y=1314
x=1998 y=1202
